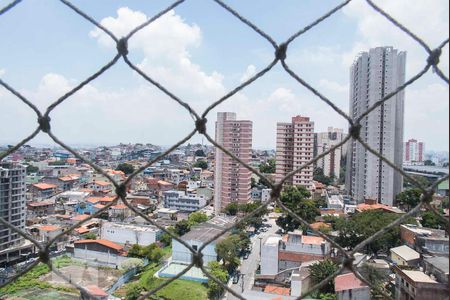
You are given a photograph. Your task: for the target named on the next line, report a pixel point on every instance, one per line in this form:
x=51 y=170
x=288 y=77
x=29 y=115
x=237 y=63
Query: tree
x=215 y=290
x=320 y=271
x=430 y=220
x=182 y=227
x=268 y=167
x=32 y=169
x=126 y=168
x=297 y=200
x=200 y=153
x=90 y=236
x=228 y=249
x=135 y=251
x=201 y=164
x=133 y=291
x=320 y=177
x=196 y=218
x=166 y=238
x=429 y=163
x=365 y=224
x=409 y=199
x=423 y=181
x=374 y=276
x=232 y=209
x=131 y=263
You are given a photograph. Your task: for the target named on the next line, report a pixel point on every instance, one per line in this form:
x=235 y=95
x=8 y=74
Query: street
x=249 y=266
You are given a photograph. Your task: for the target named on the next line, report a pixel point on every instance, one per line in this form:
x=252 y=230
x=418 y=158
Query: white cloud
x=334 y=86
x=249 y=73
x=2 y=72
x=165 y=45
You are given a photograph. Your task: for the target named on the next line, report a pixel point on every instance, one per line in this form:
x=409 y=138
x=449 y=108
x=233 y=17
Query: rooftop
x=44 y=186
x=49 y=228
x=105 y=243
x=142 y=228
x=418 y=276
x=406 y=252
x=347 y=282
x=271 y=289
x=439 y=262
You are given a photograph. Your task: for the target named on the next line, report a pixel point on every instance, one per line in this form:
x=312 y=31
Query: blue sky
x=200 y=52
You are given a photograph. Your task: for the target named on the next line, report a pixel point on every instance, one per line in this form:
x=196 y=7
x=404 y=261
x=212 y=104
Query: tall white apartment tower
x=374 y=75
x=295 y=148
x=12 y=210
x=232 y=180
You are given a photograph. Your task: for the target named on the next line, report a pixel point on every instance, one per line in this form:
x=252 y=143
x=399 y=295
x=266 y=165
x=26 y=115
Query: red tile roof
x=96 y=291
x=312 y=240
x=81 y=230
x=80 y=217
x=44 y=186
x=102 y=183
x=49 y=228
x=347 y=282
x=271 y=289
x=105 y=243
x=41 y=203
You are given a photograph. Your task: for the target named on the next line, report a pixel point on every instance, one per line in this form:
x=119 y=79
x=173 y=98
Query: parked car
x=246 y=254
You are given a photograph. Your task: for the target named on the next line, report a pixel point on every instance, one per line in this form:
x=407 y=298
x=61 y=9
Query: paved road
x=250 y=265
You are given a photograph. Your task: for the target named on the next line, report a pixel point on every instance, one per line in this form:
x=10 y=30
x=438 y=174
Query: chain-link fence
x=200 y=121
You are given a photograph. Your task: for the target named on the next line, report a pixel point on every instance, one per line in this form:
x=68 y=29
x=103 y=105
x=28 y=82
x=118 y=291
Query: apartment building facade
x=232 y=180
x=183 y=201
x=12 y=210
x=295 y=148
x=374 y=75
x=324 y=141
x=414 y=152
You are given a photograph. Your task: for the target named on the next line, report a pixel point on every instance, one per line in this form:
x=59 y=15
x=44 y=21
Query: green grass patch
x=179 y=289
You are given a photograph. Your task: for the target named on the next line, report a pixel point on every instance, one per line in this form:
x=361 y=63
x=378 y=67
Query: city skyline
x=273 y=97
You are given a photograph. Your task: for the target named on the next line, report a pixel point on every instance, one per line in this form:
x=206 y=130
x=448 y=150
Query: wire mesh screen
x=199 y=126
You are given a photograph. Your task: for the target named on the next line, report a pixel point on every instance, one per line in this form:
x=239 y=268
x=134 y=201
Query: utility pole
x=260 y=247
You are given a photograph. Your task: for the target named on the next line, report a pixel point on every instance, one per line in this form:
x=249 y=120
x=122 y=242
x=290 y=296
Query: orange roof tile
x=120 y=206
x=96 y=291
x=105 y=243
x=81 y=230
x=319 y=225
x=80 y=217
x=41 y=203
x=99 y=206
x=312 y=240
x=271 y=289
x=162 y=182
x=102 y=183
x=44 y=186
x=347 y=282
x=49 y=228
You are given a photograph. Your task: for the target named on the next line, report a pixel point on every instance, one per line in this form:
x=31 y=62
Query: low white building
x=265 y=195
x=120 y=233
x=100 y=251
x=335 y=202
x=183 y=202
x=269 y=256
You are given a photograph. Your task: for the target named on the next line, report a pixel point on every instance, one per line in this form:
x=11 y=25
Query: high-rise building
x=12 y=210
x=324 y=141
x=374 y=75
x=232 y=180
x=414 y=152
x=295 y=148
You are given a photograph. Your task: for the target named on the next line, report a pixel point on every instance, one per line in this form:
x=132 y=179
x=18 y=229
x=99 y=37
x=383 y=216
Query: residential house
x=38 y=209
x=438 y=267
x=418 y=285
x=43 y=190
x=425 y=240
x=349 y=287
x=405 y=256
x=142 y=235
x=100 y=251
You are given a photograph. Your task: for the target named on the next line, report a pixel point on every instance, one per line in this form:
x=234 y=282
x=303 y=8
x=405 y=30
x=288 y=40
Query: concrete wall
x=123 y=235
x=106 y=258
x=356 y=294
x=182 y=254
x=269 y=259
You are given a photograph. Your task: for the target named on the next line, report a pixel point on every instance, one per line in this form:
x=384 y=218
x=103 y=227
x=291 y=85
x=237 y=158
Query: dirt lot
x=84 y=276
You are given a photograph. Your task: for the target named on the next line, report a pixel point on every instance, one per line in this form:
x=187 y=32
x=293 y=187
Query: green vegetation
x=430 y=220
x=152 y=252
x=409 y=199
x=126 y=168
x=320 y=271
x=57 y=163
x=196 y=218
x=230 y=248
x=131 y=263
x=32 y=279
x=180 y=289
x=233 y=209
x=200 y=153
x=268 y=167
x=32 y=169
x=320 y=177
x=184 y=226
x=365 y=224
x=215 y=291
x=90 y=236
x=201 y=164
x=298 y=200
